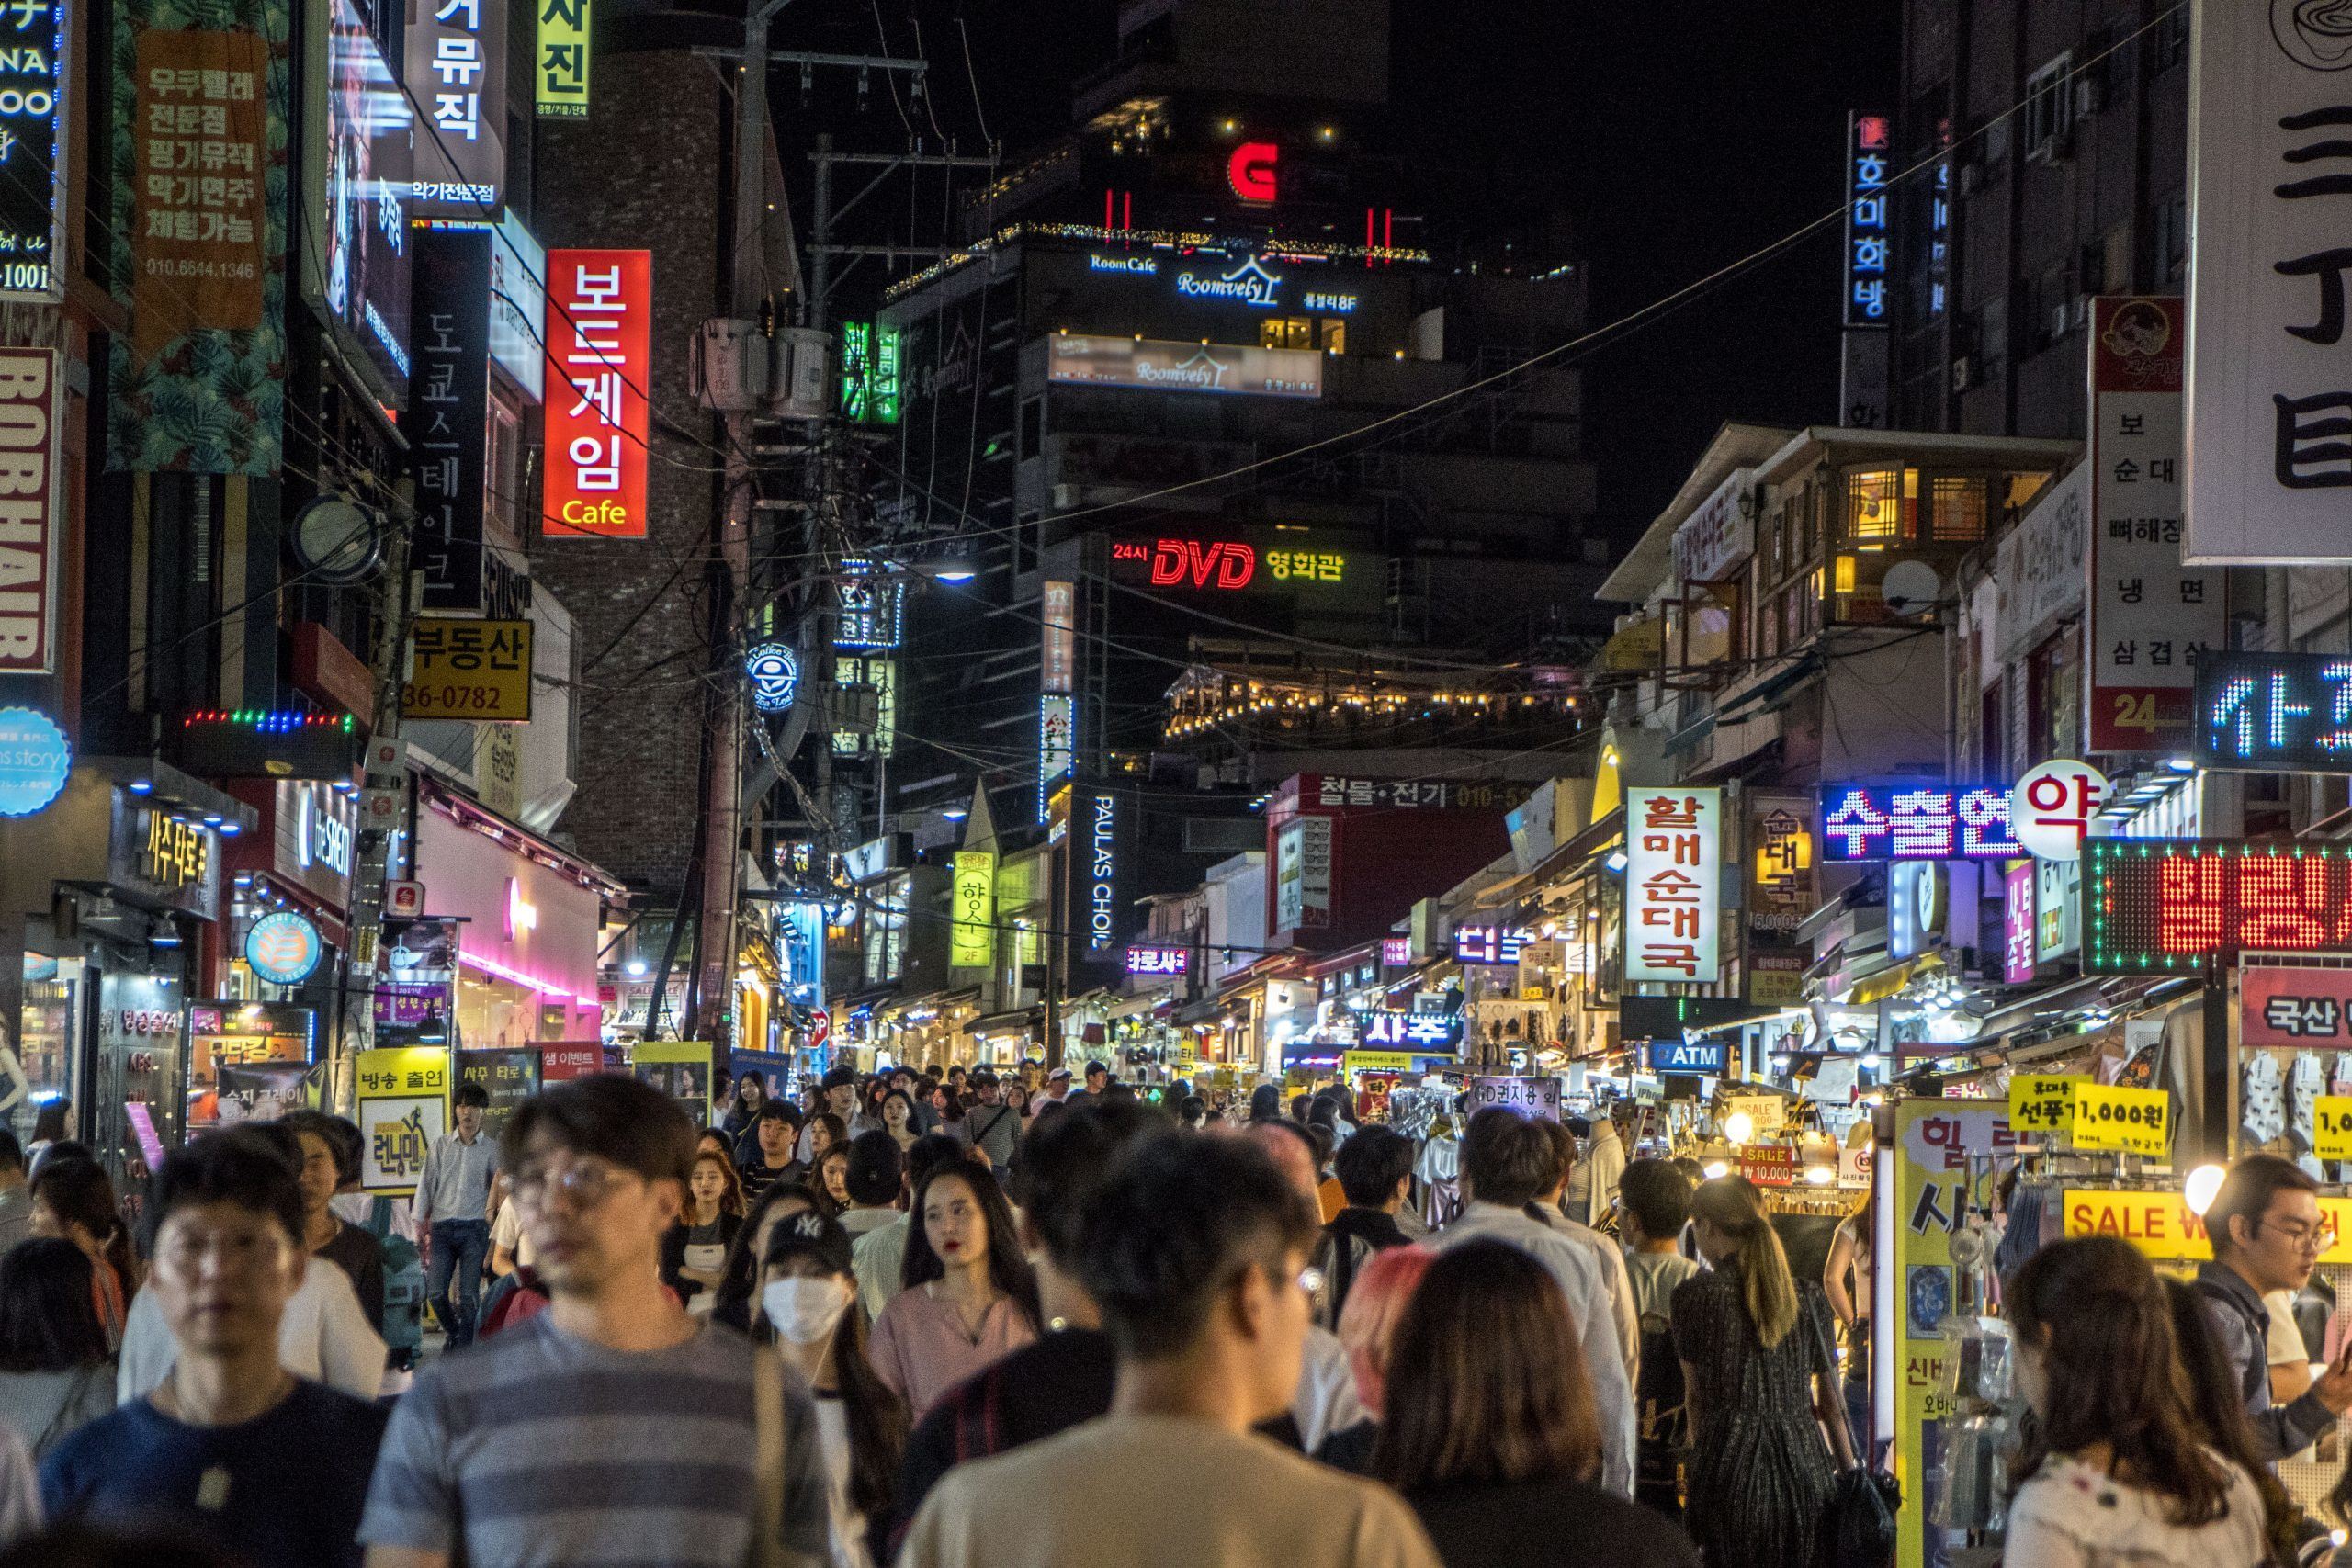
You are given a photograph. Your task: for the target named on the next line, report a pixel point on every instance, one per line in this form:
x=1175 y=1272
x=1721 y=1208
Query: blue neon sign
x=1916 y=821
x=2275 y=710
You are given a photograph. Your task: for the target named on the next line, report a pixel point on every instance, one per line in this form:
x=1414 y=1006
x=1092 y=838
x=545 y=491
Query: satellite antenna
x=1910 y=588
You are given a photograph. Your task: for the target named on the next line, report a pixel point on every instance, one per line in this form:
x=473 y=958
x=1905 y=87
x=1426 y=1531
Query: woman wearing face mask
x=737 y=1296
x=968 y=1298
x=806 y=1296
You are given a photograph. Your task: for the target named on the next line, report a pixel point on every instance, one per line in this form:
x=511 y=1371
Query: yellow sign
x=1766 y=1112
x=403 y=1109
x=2138 y=1121
x=2043 y=1102
x=468 y=669
x=1377 y=1061
x=2160 y=1223
x=679 y=1068
x=971 y=939
x=2332 y=1126
x=561 y=65
x=178 y=852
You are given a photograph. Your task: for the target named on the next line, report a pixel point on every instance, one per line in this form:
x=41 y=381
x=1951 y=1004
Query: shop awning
x=1018 y=1020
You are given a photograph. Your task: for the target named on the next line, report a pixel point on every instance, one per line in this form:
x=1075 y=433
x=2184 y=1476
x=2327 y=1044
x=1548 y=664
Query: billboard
x=2158 y=905
x=1147 y=365
x=32 y=112
x=358 y=269
x=455 y=51
x=600 y=313
x=449 y=410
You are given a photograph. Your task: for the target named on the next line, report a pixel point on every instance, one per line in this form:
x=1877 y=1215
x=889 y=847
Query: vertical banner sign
x=32 y=150
x=449 y=410
x=1100 y=880
x=403 y=1107
x=199 y=230
x=1674 y=885
x=1779 y=887
x=357 y=264
x=972 y=937
x=562 y=57
x=1057 y=709
x=2150 y=617
x=600 y=311
x=2269 y=450
x=1869 y=219
x=457 y=68
x=1933 y=1139
x=2016 y=923
x=680 y=1069
x=28 y=510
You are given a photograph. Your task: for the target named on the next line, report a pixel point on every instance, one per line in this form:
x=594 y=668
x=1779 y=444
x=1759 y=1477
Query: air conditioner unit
x=1963 y=373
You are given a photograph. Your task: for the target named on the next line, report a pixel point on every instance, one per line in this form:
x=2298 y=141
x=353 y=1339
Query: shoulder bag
x=1861 y=1521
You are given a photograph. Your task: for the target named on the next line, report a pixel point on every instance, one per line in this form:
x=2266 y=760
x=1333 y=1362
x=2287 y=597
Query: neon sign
x=599 y=365
x=2275 y=710
x=1861 y=822
x=2173 y=904
x=1222 y=565
x=1487 y=945
x=1869 y=226
x=1145 y=265
x=1158 y=959
x=1433 y=1032
x=1248 y=284
x=773 y=670
x=1250 y=170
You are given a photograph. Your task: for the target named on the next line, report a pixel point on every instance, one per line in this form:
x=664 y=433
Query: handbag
x=1860 y=1517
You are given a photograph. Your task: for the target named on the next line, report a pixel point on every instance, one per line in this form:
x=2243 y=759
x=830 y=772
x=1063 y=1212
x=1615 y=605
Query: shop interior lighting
x=143 y=786
x=634 y=968
x=1616 y=861
x=1739 y=1127
x=2204 y=1184
x=1819 y=1176
x=2180 y=764
x=1714 y=1169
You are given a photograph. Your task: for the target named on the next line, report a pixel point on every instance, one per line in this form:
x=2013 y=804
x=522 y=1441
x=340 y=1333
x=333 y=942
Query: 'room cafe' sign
x=2160 y=1225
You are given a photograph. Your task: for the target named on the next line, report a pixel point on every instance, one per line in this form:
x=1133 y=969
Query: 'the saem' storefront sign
x=599 y=319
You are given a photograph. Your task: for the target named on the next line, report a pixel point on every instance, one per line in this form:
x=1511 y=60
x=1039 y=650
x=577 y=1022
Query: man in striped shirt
x=612 y=1429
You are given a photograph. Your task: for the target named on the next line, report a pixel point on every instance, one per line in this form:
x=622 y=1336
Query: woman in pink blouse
x=970 y=1296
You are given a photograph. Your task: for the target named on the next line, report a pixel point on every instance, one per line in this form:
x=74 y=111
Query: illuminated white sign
x=1056 y=743
x=320 y=836
x=1158 y=959
x=1248 y=284
x=1144 y=266
x=2051 y=809
x=1674 y=876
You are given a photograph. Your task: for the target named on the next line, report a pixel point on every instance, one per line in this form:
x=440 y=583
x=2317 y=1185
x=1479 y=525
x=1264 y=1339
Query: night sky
x=1671 y=140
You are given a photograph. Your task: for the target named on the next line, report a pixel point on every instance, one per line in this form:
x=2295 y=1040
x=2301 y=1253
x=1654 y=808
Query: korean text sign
x=2153 y=905
x=1674 y=883
x=1921 y=821
x=2280 y=1005
x=449 y=407
x=599 y=320
x=32 y=104
x=468 y=669
x=562 y=59
x=403 y=1107
x=456 y=67
x=2275 y=710
x=972 y=938
x=1535 y=1098
x=1869 y=219
x=199 y=214
x=2269 y=470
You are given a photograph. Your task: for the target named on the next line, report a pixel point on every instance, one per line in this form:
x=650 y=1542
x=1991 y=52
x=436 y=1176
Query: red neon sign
x=1250 y=170
x=2159 y=904
x=599 y=364
x=1195 y=563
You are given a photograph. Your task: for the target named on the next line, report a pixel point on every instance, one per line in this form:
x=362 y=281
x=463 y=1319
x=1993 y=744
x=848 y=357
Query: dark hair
x=1485 y=1382
x=49 y=1320
x=730 y=1201
x=1370 y=1164
x=749 y=1080
x=1658 y=1195
x=1063 y=1161
x=877 y=1419
x=1322 y=1113
x=244 y=1166
x=823 y=1189
x=1734 y=1205
x=74 y=1544
x=78 y=1190
x=619 y=1119
x=2103 y=1332
x=1167 y=1230
x=836 y=1130
x=322 y=1126
x=2246 y=1194
x=1507 y=1159
x=2219 y=1409
x=1192 y=1112
x=48 y=1123
x=914 y=1117
x=1009 y=1269
x=877 y=1169
x=840 y=1078
x=12 y=1153
x=1265 y=1103
x=780 y=1110
x=931 y=1151
x=738 y=1274
x=471 y=1092
x=351 y=1148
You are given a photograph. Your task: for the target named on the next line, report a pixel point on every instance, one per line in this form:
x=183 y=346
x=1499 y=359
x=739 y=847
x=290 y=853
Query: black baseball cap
x=810 y=1234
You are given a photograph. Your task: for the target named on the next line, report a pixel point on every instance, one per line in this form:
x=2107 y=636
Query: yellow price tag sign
x=2137 y=1121
x=2332 y=1126
x=2043 y=1103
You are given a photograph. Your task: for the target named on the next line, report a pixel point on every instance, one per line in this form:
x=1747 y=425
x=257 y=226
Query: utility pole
x=383 y=801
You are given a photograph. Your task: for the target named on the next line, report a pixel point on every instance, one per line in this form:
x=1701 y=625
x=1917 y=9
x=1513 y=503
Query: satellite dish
x=1910 y=588
x=335 y=541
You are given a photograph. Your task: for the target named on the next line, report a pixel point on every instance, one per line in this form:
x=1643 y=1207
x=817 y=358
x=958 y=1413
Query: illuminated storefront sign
x=880 y=675
x=1057 y=602
x=2159 y=904
x=1056 y=744
x=323 y=827
x=29 y=520
x=1780 y=884
x=2289 y=711
x=1862 y=822
x=1869 y=219
x=873 y=603
x=2279 y=1005
x=971 y=937
x=448 y=410
x=599 y=364
x=1302 y=855
x=1487 y=945
x=1431 y=1032
x=1158 y=960
x=773 y=670
x=2017 y=924
x=457 y=68
x=284 y=948
x=370 y=155
x=1100 y=850
x=1395 y=952
x=2051 y=807
x=475 y=669
x=1223 y=564
x=870 y=384
x=32 y=104
x=35 y=762
x=1246 y=283
x=1139 y=267
x=1250 y=170
x=518 y=304
x=562 y=59
x=1225 y=369
x=1674 y=885
x=1704 y=1057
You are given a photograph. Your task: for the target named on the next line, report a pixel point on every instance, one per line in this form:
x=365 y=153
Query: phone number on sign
x=423 y=700
x=189 y=268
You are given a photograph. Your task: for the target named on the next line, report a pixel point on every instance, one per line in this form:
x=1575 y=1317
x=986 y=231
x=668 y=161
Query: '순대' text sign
x=599 y=319
x=1674 y=883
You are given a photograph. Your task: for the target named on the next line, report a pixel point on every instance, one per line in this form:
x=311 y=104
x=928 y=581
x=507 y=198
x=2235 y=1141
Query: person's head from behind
x=73 y=1197
x=473 y=1101
x=12 y=1157
x=49 y=1320
x=877 y=1170
x=1192 y=1113
x=351 y=1151
x=321 y=1173
x=1064 y=1160
x=599 y=1168
x=1507 y=1159
x=779 y=1127
x=49 y=1122
x=2099 y=1362
x=1373 y=1167
x=1368 y=1322
x=1487 y=1382
x=224 y=1237
x=1734 y=1232
x=1265 y=1102
x=1292 y=1148
x=1564 y=1160
x=1653 y=1201
x=2265 y=1223
x=1193 y=1249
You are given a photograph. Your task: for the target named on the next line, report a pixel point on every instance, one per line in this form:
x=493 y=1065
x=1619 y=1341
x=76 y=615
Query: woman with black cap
x=808 y=1306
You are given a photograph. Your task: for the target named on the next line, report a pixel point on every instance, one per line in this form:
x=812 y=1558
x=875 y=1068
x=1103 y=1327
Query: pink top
x=921 y=1350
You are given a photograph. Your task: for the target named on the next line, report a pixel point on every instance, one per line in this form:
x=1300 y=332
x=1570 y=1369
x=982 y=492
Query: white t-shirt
x=2070 y=1516
x=507 y=1230
x=324 y=1337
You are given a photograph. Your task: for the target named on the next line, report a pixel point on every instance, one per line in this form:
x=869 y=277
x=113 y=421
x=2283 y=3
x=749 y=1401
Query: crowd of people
x=956 y=1323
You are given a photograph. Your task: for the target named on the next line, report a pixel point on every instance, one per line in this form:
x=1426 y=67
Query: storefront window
x=49 y=1043
x=247 y=1062
x=1877 y=514
x=137 y=1115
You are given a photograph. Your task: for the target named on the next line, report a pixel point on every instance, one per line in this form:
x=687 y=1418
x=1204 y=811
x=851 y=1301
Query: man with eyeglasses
x=2268 y=1232
x=1195 y=1250
x=612 y=1427
x=229 y=1446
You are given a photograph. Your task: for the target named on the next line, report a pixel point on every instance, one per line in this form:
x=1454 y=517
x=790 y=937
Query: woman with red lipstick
x=969 y=1297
